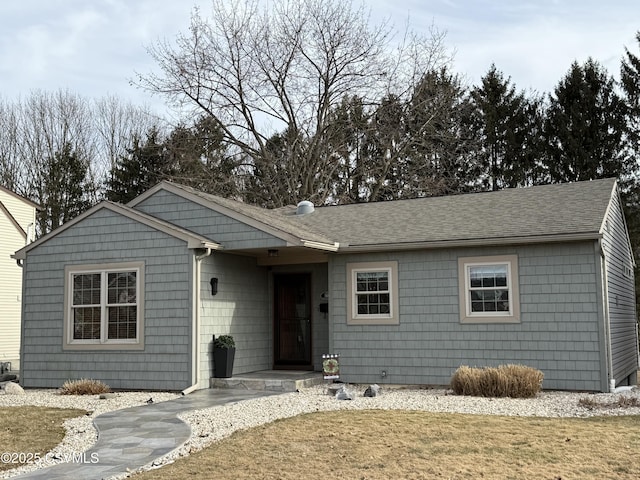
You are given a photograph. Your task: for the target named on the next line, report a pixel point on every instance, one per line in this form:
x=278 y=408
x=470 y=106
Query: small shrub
x=516 y=381
x=84 y=387
x=624 y=402
x=224 y=341
x=589 y=403
x=621 y=402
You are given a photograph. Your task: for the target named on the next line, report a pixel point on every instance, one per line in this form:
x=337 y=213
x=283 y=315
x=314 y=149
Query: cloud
x=94 y=48
x=39 y=47
x=91 y=48
x=534 y=42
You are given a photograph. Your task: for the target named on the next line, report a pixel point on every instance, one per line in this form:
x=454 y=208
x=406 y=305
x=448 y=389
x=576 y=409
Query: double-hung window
x=104 y=306
x=373 y=293
x=489 y=289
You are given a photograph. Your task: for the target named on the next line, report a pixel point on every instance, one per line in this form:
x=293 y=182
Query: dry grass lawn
x=31 y=430
x=377 y=444
x=380 y=444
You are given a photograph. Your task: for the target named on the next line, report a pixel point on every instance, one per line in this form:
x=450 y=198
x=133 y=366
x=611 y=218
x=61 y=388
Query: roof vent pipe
x=304 y=207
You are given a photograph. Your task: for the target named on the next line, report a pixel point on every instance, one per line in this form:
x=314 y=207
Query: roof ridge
x=469 y=194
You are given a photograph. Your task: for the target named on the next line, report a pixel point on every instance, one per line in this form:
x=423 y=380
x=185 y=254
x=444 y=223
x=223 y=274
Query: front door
x=292 y=321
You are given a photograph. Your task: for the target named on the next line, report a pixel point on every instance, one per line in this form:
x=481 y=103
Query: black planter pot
x=223 y=362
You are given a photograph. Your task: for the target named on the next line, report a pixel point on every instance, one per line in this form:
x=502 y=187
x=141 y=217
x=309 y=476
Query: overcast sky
x=94 y=47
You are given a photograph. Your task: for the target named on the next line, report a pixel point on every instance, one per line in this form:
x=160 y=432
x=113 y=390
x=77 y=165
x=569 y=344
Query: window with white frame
x=373 y=289
x=104 y=306
x=489 y=290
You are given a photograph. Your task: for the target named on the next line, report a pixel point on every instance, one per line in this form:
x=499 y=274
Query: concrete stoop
x=270 y=380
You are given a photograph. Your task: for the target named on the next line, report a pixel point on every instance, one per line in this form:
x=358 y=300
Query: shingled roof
x=545 y=213
x=533 y=214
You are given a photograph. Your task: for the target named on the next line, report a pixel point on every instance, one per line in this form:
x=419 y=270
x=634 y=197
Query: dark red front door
x=292 y=321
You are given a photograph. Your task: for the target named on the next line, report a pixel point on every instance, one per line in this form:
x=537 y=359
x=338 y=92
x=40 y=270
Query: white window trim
x=466 y=315
x=69 y=343
x=353 y=318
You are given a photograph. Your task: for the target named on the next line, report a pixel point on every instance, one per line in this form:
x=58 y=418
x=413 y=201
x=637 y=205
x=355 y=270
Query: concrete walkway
x=133 y=437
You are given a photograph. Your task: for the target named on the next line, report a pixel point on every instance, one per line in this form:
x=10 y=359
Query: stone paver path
x=133 y=437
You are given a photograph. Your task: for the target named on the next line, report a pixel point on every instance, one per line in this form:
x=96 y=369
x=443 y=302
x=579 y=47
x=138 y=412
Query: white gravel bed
x=212 y=424
x=81 y=434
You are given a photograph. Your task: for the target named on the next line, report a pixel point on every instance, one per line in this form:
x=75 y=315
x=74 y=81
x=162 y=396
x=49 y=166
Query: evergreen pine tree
x=196 y=157
x=65 y=190
x=144 y=165
x=506 y=124
x=585 y=126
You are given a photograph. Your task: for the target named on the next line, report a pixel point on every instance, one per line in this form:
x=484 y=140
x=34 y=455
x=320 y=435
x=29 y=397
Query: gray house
x=132 y=295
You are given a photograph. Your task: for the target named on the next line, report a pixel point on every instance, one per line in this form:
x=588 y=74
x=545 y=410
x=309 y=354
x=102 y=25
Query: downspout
x=195 y=353
x=605 y=316
x=30 y=229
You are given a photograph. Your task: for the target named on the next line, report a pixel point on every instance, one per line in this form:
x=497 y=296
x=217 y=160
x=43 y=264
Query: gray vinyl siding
x=222 y=229
x=241 y=308
x=558 y=332
x=621 y=293
x=106 y=237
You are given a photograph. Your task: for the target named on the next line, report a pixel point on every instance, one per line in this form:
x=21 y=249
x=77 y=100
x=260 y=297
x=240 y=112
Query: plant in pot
x=224 y=351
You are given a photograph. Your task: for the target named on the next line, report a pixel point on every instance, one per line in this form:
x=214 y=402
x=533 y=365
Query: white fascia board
x=614 y=192
x=12 y=220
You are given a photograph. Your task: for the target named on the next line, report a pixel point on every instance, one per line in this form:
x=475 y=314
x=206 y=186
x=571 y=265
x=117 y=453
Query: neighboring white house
x=17 y=223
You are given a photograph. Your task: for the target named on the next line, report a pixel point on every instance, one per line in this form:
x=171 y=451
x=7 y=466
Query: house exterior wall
x=222 y=229
x=11 y=240
x=21 y=210
x=240 y=308
x=559 y=330
x=106 y=237
x=10 y=292
x=319 y=320
x=619 y=266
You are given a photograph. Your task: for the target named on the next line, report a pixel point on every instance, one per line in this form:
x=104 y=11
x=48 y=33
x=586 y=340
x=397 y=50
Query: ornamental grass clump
x=516 y=381
x=84 y=387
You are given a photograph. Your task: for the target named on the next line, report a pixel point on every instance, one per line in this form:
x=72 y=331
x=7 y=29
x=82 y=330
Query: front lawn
x=383 y=444
x=28 y=432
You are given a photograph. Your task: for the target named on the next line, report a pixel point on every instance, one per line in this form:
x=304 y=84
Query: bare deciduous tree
x=50 y=123
x=274 y=77
x=62 y=131
x=116 y=124
x=10 y=162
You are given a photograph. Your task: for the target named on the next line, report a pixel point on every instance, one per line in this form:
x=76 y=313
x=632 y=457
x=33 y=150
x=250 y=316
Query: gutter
x=473 y=242
x=320 y=246
x=195 y=352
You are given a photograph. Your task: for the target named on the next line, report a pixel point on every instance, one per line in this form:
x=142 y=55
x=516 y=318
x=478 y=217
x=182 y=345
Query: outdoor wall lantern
x=214 y=285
